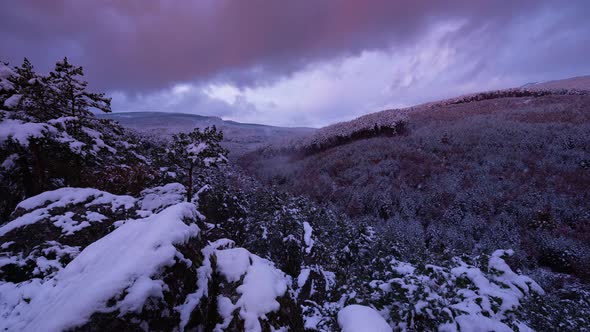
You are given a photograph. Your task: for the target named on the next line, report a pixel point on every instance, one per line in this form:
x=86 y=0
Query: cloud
x=298 y=62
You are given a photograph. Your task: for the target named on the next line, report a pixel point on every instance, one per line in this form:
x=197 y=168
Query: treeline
x=514 y=93
x=398 y=128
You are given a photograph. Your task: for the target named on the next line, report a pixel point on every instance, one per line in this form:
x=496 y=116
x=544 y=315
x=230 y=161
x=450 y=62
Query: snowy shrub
x=479 y=290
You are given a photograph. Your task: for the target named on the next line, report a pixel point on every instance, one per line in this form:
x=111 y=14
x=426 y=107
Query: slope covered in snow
x=577 y=83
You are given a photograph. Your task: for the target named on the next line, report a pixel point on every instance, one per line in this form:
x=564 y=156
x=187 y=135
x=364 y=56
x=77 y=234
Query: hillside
x=238 y=137
x=392 y=122
x=579 y=83
x=463 y=176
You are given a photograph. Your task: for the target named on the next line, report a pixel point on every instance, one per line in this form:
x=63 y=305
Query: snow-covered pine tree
x=72 y=96
x=33 y=95
x=197 y=149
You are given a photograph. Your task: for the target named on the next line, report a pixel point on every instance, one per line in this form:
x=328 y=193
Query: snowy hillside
x=467 y=176
x=393 y=122
x=574 y=83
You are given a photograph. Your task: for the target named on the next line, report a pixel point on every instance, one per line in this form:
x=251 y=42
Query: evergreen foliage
x=197 y=149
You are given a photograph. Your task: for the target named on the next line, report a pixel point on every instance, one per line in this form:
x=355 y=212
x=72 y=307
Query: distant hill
x=578 y=83
x=239 y=137
x=391 y=122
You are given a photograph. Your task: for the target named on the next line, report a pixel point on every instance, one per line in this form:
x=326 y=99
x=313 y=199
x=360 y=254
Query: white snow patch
x=157 y=198
x=233 y=263
x=10 y=161
x=21 y=132
x=261 y=285
x=302 y=278
x=95 y=216
x=5 y=245
x=12 y=101
x=360 y=318
x=307 y=229
x=68 y=225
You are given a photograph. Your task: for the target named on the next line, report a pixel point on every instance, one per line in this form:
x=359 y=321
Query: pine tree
x=197 y=149
x=37 y=100
x=73 y=98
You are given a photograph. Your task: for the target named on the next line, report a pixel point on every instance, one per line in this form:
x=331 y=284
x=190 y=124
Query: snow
x=303 y=276
x=8 y=260
x=21 y=132
x=12 y=101
x=5 y=73
x=329 y=279
x=9 y=162
x=141 y=289
x=157 y=198
x=203 y=275
x=62 y=121
x=98 y=142
x=143 y=247
x=507 y=277
x=307 y=229
x=64 y=196
x=360 y=318
x=95 y=216
x=59 y=198
x=262 y=284
x=5 y=245
x=325 y=135
x=311 y=322
x=195 y=149
x=507 y=285
x=402 y=267
x=68 y=225
x=476 y=324
x=233 y=263
x=225 y=308
x=470 y=295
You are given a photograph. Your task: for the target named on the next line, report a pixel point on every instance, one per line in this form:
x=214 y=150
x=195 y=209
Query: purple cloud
x=141 y=47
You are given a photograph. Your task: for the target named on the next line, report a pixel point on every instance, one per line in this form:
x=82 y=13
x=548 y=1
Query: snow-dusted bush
x=464 y=293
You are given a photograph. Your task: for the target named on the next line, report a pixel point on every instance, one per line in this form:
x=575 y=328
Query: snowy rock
x=63 y=218
x=158 y=198
x=360 y=318
x=99 y=282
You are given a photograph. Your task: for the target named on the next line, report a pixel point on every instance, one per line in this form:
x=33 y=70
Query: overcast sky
x=298 y=63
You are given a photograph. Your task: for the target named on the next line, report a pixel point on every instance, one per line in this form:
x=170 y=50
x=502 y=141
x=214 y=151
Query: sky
x=298 y=63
